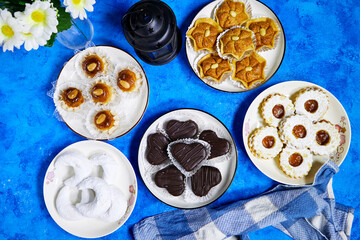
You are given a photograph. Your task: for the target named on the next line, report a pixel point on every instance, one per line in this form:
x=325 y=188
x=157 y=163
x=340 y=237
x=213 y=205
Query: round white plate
x=226 y=166
x=90 y=227
x=133 y=108
x=335 y=114
x=273 y=57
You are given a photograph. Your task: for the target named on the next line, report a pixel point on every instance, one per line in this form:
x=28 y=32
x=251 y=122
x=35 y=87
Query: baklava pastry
x=295 y=163
x=204 y=34
x=265 y=143
x=231 y=13
x=213 y=66
x=276 y=107
x=249 y=70
x=312 y=102
x=326 y=138
x=297 y=131
x=236 y=42
x=265 y=30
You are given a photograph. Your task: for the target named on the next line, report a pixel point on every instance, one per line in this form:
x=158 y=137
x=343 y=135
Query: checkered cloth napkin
x=302 y=212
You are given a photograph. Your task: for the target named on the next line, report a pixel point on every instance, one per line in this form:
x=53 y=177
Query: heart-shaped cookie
x=171 y=179
x=177 y=130
x=219 y=146
x=204 y=179
x=189 y=156
x=156 y=150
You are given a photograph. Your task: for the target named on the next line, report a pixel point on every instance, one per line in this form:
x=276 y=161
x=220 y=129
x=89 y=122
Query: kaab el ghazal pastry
x=71 y=98
x=312 y=102
x=101 y=92
x=171 y=179
x=296 y=131
x=265 y=30
x=250 y=70
x=204 y=34
x=295 y=163
x=265 y=143
x=276 y=107
x=213 y=66
x=156 y=149
x=219 y=146
x=231 y=13
x=326 y=138
x=236 y=42
x=204 y=180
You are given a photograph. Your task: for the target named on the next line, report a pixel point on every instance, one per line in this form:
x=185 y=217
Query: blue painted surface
x=322 y=47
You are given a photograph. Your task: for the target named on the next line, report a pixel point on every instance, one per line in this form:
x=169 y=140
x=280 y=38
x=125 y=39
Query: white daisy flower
x=32 y=41
x=39 y=19
x=10 y=29
x=77 y=7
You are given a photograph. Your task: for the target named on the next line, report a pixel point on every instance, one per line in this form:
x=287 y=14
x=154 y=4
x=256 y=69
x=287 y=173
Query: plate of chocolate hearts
x=187 y=158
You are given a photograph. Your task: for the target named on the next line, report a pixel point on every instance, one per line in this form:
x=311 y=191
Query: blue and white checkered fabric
x=302 y=212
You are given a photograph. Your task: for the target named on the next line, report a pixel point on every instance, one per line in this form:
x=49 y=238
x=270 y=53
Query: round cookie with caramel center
x=265 y=30
x=101 y=93
x=92 y=64
x=126 y=80
x=249 y=70
x=231 y=13
x=72 y=97
x=104 y=120
x=213 y=66
x=236 y=42
x=204 y=34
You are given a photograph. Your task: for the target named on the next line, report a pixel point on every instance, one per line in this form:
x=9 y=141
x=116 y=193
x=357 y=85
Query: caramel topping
x=104 y=120
x=311 y=106
x=322 y=137
x=299 y=131
x=126 y=80
x=100 y=92
x=268 y=141
x=278 y=111
x=92 y=65
x=72 y=97
x=295 y=159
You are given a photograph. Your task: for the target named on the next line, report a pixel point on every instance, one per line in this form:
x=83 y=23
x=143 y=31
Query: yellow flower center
x=76 y=2
x=7 y=31
x=38 y=16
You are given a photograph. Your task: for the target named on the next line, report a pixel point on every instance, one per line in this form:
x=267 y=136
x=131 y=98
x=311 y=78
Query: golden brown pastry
x=231 y=13
x=204 y=34
x=249 y=70
x=126 y=80
x=235 y=42
x=265 y=30
x=92 y=64
x=104 y=120
x=213 y=66
x=72 y=97
x=101 y=92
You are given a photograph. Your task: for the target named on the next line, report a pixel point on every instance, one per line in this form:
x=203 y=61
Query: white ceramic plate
x=273 y=57
x=90 y=227
x=227 y=167
x=133 y=108
x=335 y=114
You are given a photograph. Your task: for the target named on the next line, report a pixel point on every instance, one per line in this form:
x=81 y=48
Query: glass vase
x=78 y=36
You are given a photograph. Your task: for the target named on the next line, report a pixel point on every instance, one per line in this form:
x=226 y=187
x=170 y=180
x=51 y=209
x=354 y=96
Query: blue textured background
x=322 y=47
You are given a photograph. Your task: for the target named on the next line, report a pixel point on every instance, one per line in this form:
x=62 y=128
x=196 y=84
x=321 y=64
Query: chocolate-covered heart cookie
x=204 y=179
x=171 y=179
x=188 y=155
x=176 y=129
x=156 y=150
x=219 y=146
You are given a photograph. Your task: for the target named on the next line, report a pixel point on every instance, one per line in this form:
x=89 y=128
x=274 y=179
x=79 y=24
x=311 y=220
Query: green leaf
x=51 y=41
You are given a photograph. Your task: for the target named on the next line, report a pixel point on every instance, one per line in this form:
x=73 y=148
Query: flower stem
x=79 y=29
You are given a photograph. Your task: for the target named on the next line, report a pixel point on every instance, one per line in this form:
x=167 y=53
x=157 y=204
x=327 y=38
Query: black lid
x=149 y=25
